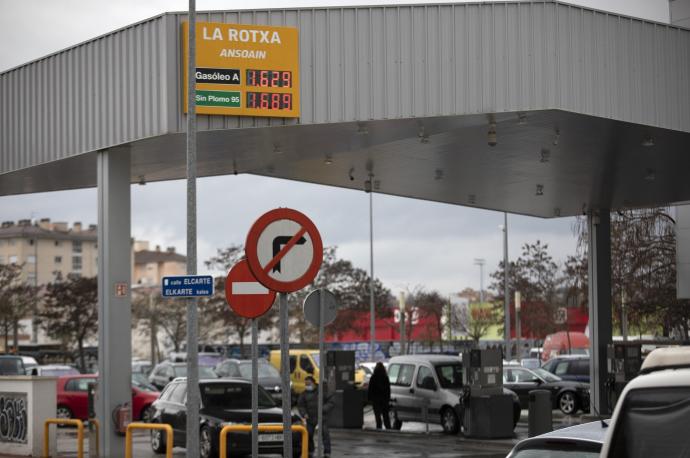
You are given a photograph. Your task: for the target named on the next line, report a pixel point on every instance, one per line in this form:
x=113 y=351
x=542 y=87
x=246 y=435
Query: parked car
x=30 y=364
x=12 y=365
x=367 y=369
x=167 y=371
x=569 y=367
x=223 y=401
x=530 y=363
x=56 y=370
x=141 y=381
x=210 y=359
x=581 y=441
x=73 y=398
x=433 y=378
x=568 y=396
x=141 y=366
x=652 y=415
x=269 y=378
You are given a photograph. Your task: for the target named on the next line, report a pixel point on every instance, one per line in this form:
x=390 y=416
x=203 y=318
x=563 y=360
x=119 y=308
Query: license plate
x=271 y=437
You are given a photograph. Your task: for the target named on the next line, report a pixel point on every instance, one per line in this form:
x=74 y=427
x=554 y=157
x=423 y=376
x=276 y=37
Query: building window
x=76 y=262
x=57 y=243
x=13 y=259
x=12 y=242
x=31 y=242
x=31 y=277
x=76 y=246
x=58 y=259
x=31 y=259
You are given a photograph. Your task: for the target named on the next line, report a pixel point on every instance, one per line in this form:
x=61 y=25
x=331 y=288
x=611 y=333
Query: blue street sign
x=187 y=286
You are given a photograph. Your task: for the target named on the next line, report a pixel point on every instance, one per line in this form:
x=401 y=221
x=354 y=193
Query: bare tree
x=16 y=301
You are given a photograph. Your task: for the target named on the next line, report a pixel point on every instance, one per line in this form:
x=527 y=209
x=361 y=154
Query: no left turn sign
x=284 y=250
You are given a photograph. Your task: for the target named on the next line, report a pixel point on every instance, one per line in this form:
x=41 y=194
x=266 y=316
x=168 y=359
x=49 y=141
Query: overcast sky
x=415 y=242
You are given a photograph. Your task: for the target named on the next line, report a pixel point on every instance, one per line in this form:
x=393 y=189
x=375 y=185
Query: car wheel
x=63 y=412
x=567 y=402
x=206 y=443
x=449 y=421
x=158 y=441
x=146 y=414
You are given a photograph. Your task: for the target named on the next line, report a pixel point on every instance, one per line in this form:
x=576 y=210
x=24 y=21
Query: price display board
x=244 y=70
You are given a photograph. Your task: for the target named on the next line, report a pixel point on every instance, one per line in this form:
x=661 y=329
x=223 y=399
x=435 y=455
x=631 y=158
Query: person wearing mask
x=308 y=405
x=380 y=395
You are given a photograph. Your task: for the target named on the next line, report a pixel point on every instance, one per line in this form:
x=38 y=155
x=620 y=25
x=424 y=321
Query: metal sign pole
x=322 y=367
x=285 y=372
x=193 y=396
x=255 y=389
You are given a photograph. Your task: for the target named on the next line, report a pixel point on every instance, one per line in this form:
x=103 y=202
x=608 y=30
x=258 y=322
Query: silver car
x=430 y=385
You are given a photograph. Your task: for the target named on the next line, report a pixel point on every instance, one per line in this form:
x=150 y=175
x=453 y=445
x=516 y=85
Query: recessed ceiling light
x=438 y=175
x=540 y=190
x=328 y=160
x=651 y=175
x=648 y=141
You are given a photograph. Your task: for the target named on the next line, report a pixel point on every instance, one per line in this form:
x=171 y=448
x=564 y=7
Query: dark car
x=568 y=396
x=582 y=441
x=269 y=377
x=11 y=365
x=223 y=401
x=167 y=371
x=574 y=368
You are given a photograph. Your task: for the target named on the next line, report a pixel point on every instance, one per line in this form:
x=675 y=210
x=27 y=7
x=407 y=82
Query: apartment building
x=49 y=251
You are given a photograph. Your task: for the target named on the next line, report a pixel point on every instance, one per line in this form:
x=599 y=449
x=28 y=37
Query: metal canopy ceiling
x=401 y=93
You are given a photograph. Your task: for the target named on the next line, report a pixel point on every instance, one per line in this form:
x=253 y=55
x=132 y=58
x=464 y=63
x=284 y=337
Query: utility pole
x=506 y=292
x=372 y=308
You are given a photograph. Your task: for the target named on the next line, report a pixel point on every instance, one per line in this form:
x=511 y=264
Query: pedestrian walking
x=308 y=405
x=380 y=395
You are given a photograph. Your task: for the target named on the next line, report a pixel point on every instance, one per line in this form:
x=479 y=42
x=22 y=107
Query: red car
x=73 y=398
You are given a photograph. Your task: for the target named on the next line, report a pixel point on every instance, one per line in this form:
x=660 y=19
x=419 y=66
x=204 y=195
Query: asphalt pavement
x=411 y=441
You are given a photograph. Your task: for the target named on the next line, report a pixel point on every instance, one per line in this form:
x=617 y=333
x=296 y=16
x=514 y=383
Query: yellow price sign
x=244 y=70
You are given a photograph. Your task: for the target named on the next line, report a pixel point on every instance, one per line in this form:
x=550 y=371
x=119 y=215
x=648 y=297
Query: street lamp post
x=506 y=292
x=480 y=262
x=517 y=323
x=402 y=322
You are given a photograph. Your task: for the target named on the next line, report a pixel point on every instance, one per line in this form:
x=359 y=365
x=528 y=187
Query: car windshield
x=11 y=366
x=140 y=381
x=58 y=371
x=265 y=370
x=449 y=375
x=207 y=372
x=232 y=396
x=315 y=357
x=181 y=370
x=546 y=375
x=209 y=360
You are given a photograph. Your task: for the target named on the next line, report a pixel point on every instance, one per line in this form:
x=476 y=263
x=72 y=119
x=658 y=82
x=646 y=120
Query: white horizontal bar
x=248 y=287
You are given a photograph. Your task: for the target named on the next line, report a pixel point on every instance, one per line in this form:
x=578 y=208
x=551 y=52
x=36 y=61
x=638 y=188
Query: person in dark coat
x=380 y=395
x=308 y=405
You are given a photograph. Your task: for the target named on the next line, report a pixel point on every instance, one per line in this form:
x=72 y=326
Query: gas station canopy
x=587 y=109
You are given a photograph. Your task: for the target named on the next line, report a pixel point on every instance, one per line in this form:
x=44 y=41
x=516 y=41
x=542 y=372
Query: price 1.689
x=269 y=101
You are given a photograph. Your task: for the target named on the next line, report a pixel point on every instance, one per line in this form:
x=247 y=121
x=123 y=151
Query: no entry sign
x=284 y=250
x=246 y=296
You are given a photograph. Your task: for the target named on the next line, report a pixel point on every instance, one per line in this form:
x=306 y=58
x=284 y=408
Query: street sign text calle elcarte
x=187 y=286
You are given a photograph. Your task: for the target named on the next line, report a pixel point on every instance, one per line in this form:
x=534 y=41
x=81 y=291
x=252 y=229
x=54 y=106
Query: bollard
x=159 y=426
x=540 y=418
x=63 y=421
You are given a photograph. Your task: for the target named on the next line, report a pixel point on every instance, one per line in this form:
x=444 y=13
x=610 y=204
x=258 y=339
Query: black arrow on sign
x=278 y=242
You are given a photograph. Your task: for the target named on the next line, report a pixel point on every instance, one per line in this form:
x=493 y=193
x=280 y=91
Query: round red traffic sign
x=284 y=250
x=246 y=296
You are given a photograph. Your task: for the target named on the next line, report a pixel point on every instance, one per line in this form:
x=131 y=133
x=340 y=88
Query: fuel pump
x=488 y=412
x=623 y=364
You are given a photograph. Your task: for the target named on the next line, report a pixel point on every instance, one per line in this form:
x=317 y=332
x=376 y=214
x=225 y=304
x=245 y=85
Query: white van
x=434 y=382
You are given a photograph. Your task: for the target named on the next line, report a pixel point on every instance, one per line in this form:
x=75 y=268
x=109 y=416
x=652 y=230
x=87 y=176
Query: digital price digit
x=269 y=78
x=269 y=101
